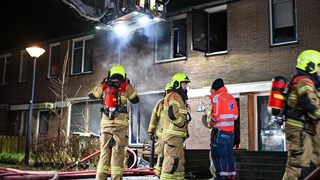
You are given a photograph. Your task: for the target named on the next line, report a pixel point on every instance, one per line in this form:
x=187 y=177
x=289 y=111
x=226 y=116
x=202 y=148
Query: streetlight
x=34 y=52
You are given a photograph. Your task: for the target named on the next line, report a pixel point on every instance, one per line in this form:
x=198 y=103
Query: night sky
x=24 y=22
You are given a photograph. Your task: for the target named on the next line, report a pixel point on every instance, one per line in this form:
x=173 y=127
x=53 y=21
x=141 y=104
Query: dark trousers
x=222 y=153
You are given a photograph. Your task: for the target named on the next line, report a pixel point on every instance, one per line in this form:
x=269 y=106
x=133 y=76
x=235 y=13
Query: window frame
x=24 y=66
x=6 y=63
x=89 y=119
x=74 y=41
x=173 y=46
x=50 y=75
x=288 y=40
x=207 y=31
x=258 y=135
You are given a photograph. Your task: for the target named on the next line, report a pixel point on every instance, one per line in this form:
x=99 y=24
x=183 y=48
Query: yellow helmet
x=167 y=88
x=117 y=69
x=177 y=79
x=308 y=61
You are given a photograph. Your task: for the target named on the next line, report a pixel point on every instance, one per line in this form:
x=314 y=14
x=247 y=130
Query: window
x=4 y=68
x=24 y=67
x=43 y=125
x=82 y=55
x=54 y=60
x=171 y=39
x=283 y=22
x=140 y=117
x=270 y=133
x=209 y=30
x=85 y=117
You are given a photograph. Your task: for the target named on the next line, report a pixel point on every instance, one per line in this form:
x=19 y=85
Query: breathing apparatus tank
x=277 y=96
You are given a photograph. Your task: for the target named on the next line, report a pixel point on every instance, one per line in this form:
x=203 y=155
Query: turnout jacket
x=175 y=122
x=303 y=102
x=156 y=121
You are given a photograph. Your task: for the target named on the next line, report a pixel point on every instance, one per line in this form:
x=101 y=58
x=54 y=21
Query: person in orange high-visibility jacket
x=175 y=128
x=115 y=91
x=155 y=129
x=224 y=113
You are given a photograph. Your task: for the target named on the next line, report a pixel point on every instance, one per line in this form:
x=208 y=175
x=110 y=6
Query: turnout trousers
x=173 y=163
x=112 y=145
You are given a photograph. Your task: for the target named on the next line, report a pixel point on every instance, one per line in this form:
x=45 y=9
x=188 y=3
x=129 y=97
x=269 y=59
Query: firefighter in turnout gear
x=223 y=114
x=175 y=128
x=302 y=114
x=115 y=90
x=155 y=129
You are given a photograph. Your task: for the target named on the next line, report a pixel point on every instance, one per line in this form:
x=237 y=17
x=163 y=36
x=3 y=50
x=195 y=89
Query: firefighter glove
x=91 y=96
x=151 y=136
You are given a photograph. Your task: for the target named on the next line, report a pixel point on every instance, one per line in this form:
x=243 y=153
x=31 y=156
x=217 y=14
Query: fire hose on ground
x=10 y=173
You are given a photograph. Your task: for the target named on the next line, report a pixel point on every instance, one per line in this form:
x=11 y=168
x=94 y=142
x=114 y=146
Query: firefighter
x=175 y=128
x=302 y=114
x=223 y=114
x=155 y=129
x=115 y=90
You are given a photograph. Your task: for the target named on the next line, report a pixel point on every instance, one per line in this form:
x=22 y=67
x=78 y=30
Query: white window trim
x=89 y=37
x=50 y=54
x=169 y=19
x=271 y=27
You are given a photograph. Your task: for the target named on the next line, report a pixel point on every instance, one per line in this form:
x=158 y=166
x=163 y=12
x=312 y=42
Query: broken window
x=82 y=55
x=171 y=39
x=209 y=30
x=270 y=133
x=54 y=60
x=283 y=22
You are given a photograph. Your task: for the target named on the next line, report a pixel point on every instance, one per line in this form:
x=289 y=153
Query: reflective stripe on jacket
x=224 y=110
x=177 y=127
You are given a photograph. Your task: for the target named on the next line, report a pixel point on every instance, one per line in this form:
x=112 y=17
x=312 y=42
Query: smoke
x=136 y=52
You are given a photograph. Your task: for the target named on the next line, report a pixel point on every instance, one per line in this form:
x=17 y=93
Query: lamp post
x=34 y=52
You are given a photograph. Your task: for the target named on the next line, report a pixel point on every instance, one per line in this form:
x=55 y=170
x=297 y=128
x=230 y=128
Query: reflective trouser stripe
x=102 y=168
x=116 y=170
x=174 y=176
x=295 y=123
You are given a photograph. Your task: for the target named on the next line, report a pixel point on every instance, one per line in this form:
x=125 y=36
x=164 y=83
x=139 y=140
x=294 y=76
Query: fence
x=12 y=144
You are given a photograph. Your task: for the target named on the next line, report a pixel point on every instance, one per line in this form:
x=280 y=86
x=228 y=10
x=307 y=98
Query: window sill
x=216 y=53
x=171 y=60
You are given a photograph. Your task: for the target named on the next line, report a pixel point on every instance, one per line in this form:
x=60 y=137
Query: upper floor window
x=24 y=66
x=82 y=55
x=4 y=68
x=283 y=22
x=209 y=30
x=171 y=39
x=54 y=60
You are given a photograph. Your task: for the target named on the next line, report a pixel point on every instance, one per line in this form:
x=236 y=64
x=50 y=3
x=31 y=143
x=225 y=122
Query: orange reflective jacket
x=224 y=110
